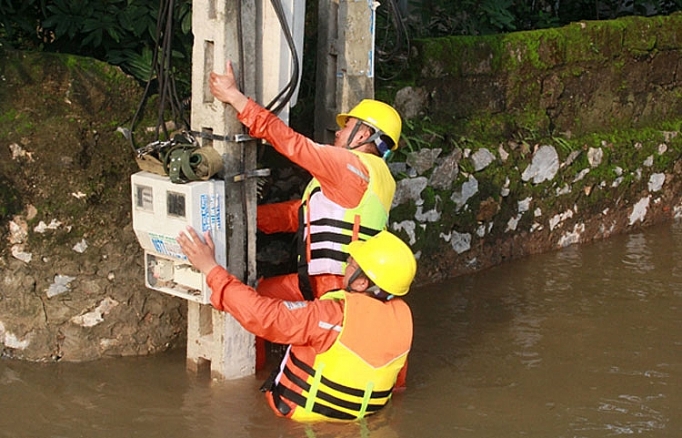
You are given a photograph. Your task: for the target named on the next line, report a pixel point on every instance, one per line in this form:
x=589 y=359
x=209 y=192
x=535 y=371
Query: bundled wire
x=284 y=96
x=161 y=69
x=393 y=42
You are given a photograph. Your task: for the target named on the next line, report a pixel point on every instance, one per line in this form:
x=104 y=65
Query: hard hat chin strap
x=373 y=289
x=354 y=276
x=381 y=145
x=352 y=134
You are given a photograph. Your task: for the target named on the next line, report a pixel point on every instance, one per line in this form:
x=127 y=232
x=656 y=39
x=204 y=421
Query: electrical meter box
x=161 y=211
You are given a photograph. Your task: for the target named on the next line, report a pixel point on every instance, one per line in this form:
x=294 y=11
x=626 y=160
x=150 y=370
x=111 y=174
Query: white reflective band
x=328 y=326
x=293 y=305
x=357 y=171
x=324 y=228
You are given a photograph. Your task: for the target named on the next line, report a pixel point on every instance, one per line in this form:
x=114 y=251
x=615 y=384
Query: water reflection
x=551 y=343
x=638 y=256
x=583 y=342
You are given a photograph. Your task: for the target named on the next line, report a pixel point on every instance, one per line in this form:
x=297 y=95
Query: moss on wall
x=581 y=78
x=604 y=95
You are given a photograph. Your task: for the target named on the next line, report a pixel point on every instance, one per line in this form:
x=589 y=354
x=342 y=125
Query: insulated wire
x=284 y=96
x=161 y=68
x=147 y=87
x=166 y=78
x=401 y=41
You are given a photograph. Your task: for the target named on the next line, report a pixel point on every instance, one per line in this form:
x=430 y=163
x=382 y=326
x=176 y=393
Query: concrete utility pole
x=345 y=60
x=225 y=29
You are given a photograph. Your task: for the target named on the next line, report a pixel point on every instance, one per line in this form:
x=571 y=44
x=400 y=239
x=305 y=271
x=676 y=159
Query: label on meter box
x=168 y=246
x=210 y=212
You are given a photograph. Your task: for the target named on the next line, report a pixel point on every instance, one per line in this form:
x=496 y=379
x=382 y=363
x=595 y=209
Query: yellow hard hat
x=378 y=115
x=387 y=261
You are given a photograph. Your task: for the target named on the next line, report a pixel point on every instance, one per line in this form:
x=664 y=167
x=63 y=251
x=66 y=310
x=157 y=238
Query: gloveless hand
x=201 y=255
x=224 y=88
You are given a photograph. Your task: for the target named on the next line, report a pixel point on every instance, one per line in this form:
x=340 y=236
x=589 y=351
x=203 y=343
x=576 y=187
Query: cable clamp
x=256 y=173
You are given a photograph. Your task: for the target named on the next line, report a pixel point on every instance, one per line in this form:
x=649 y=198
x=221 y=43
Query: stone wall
x=528 y=142
x=587 y=77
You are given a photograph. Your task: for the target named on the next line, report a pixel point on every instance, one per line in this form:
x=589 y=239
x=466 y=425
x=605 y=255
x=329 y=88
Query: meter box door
x=161 y=211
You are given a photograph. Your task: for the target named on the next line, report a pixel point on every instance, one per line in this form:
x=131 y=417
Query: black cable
x=175 y=103
x=284 y=96
x=161 y=67
x=401 y=41
x=145 y=94
x=168 y=92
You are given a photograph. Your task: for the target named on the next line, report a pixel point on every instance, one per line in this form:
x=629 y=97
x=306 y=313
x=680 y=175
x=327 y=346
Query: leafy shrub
x=120 y=32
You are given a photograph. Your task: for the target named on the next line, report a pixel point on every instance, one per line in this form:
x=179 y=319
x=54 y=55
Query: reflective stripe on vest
x=328 y=228
x=310 y=405
x=355 y=377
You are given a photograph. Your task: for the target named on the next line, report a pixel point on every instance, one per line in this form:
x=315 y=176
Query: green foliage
x=120 y=32
x=433 y=18
x=414 y=136
x=564 y=145
x=399 y=21
x=19 y=21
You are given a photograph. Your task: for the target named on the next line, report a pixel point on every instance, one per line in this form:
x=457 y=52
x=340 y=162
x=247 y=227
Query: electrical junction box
x=161 y=211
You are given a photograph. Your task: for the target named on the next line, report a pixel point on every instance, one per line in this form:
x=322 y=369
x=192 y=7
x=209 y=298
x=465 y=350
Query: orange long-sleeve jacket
x=328 y=164
x=283 y=322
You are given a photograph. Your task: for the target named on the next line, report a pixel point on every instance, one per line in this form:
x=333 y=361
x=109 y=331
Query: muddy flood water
x=583 y=342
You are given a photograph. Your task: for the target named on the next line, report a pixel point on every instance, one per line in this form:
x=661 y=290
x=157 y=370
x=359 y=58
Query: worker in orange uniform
x=348 y=198
x=346 y=349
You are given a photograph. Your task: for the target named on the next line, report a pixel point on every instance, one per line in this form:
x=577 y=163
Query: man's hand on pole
x=225 y=89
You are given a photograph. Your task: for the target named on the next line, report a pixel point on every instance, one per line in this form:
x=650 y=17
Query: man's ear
x=360 y=284
x=361 y=136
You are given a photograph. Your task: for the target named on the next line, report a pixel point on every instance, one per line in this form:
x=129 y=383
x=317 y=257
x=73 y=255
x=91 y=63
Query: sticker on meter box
x=167 y=246
x=210 y=212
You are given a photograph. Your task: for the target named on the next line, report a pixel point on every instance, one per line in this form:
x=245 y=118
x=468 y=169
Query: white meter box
x=161 y=211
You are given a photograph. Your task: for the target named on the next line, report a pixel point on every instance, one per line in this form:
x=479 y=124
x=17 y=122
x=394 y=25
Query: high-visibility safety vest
x=327 y=228
x=355 y=377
